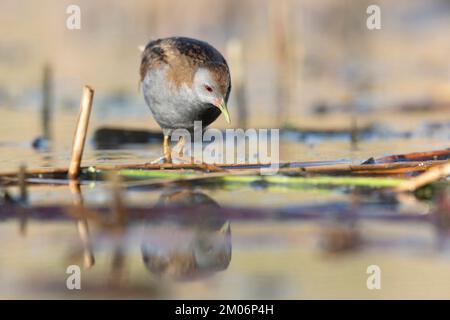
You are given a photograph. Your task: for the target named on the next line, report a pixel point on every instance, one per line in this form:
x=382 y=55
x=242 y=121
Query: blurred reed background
x=288 y=57
x=301 y=63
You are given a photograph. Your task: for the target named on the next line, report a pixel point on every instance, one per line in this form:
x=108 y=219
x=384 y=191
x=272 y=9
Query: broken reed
x=81 y=131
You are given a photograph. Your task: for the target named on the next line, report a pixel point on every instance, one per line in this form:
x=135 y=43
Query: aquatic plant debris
x=374 y=182
x=386 y=172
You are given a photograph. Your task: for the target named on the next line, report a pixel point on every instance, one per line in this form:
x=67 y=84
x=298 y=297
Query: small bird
x=184 y=80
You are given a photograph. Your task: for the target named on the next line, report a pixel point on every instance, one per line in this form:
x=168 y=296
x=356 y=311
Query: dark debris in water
x=41 y=144
x=6 y=198
x=441 y=211
x=195 y=211
x=340 y=238
x=111 y=138
x=416 y=156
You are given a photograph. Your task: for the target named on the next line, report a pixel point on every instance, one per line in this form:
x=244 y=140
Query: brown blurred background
x=305 y=63
x=298 y=56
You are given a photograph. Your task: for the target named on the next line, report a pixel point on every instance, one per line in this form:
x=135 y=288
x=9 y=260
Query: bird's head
x=212 y=86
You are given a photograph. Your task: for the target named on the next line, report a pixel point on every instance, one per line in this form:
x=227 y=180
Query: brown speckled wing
x=183 y=55
x=153 y=56
x=198 y=52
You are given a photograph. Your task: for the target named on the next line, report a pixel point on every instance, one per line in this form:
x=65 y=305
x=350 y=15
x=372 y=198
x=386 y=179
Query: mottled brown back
x=184 y=56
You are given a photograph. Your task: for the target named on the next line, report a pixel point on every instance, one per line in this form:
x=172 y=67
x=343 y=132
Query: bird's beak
x=226 y=228
x=223 y=108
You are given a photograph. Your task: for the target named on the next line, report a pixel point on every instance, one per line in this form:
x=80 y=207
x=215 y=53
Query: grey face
x=208 y=92
x=206 y=87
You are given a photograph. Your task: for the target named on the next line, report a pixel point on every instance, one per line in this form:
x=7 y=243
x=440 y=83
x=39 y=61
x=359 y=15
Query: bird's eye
x=208 y=88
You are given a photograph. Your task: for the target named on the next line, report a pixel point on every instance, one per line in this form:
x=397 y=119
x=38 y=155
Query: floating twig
x=425 y=178
x=443 y=154
x=386 y=169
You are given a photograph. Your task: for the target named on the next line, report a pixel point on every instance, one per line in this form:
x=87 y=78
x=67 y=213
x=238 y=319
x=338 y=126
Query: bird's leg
x=179 y=156
x=179 y=147
x=167 y=156
x=191 y=160
x=166 y=150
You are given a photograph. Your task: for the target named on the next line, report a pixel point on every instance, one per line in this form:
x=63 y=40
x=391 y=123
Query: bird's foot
x=161 y=160
x=183 y=159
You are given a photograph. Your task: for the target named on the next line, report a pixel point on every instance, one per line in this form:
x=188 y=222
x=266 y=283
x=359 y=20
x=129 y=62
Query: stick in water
x=80 y=133
x=425 y=178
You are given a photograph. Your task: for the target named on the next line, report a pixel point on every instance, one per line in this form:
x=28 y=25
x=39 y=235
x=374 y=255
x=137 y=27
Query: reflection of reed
x=117 y=274
x=118 y=206
x=82 y=224
x=441 y=218
x=23 y=200
x=119 y=223
x=115 y=225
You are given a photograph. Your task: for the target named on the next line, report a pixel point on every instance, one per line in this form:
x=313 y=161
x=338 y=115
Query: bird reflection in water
x=192 y=241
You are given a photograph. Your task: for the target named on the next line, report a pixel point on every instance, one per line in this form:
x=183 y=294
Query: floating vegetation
x=285 y=180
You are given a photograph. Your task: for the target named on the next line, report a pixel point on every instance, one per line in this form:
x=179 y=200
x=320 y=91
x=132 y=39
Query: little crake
x=184 y=80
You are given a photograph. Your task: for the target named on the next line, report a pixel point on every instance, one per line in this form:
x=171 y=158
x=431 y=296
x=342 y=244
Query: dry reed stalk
x=283 y=46
x=81 y=131
x=47 y=102
x=235 y=54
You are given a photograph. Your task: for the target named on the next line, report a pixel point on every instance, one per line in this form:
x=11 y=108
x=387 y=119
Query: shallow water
x=304 y=244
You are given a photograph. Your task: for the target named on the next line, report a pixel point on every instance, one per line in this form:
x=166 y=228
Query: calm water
x=303 y=246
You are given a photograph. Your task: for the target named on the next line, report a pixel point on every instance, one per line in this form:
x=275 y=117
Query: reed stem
x=81 y=131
